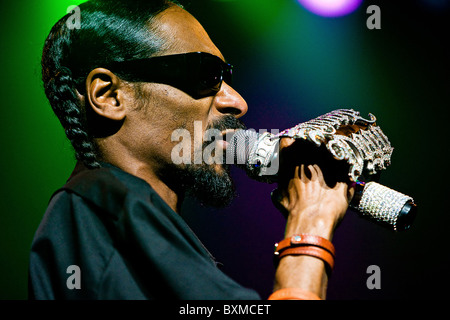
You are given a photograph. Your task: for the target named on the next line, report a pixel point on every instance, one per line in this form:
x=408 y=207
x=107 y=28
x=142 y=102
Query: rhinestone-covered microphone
x=347 y=137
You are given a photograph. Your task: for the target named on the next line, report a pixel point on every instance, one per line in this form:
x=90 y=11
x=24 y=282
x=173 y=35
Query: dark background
x=290 y=66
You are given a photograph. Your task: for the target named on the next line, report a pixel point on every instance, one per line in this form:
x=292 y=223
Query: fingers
x=297 y=174
x=350 y=193
x=319 y=173
x=347 y=190
x=310 y=173
x=286 y=142
x=303 y=177
x=341 y=187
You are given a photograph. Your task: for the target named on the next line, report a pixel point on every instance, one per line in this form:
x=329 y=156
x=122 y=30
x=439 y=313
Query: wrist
x=306 y=244
x=311 y=224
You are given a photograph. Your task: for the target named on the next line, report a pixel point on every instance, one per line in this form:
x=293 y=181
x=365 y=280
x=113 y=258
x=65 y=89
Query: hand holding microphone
x=348 y=147
x=310 y=203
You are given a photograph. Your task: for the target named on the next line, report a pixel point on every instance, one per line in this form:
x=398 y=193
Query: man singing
x=121 y=84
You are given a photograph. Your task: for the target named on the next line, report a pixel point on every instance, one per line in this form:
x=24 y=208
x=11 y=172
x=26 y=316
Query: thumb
x=277 y=197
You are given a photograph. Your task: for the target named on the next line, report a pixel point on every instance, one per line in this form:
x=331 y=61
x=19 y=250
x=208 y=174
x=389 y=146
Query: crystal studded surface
x=382 y=203
x=348 y=137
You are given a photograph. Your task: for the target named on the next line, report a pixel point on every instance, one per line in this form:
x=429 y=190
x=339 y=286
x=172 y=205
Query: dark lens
x=211 y=73
x=228 y=73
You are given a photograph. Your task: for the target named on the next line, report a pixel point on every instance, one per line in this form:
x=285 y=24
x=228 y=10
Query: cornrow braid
x=65 y=103
x=110 y=31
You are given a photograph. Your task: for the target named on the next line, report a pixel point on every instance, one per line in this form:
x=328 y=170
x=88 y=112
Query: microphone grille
x=240 y=146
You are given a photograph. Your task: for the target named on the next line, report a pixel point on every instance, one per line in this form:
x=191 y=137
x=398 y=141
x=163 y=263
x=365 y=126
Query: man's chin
x=221 y=169
x=210 y=184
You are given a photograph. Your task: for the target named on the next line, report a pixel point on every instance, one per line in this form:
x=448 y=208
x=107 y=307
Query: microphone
x=347 y=136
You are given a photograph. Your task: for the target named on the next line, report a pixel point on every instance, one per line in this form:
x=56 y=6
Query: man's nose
x=227 y=100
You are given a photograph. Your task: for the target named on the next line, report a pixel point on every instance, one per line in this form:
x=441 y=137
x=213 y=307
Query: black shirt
x=108 y=235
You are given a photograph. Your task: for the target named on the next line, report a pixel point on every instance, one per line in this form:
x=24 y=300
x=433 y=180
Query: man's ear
x=104 y=94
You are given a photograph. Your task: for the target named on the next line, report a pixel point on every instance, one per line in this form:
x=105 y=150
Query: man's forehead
x=183 y=33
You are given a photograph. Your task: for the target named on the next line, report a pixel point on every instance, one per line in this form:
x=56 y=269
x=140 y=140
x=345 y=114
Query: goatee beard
x=210 y=185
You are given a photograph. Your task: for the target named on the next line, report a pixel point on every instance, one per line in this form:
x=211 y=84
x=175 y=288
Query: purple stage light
x=330 y=8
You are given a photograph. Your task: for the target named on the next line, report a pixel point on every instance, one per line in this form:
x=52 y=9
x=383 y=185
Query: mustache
x=227 y=122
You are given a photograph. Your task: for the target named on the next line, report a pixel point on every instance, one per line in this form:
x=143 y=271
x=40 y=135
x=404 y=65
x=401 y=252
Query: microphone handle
x=384 y=206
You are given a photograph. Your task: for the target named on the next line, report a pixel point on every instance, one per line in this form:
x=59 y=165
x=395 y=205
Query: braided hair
x=109 y=31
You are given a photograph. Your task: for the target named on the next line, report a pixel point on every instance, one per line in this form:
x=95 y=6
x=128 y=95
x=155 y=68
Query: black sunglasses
x=198 y=74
